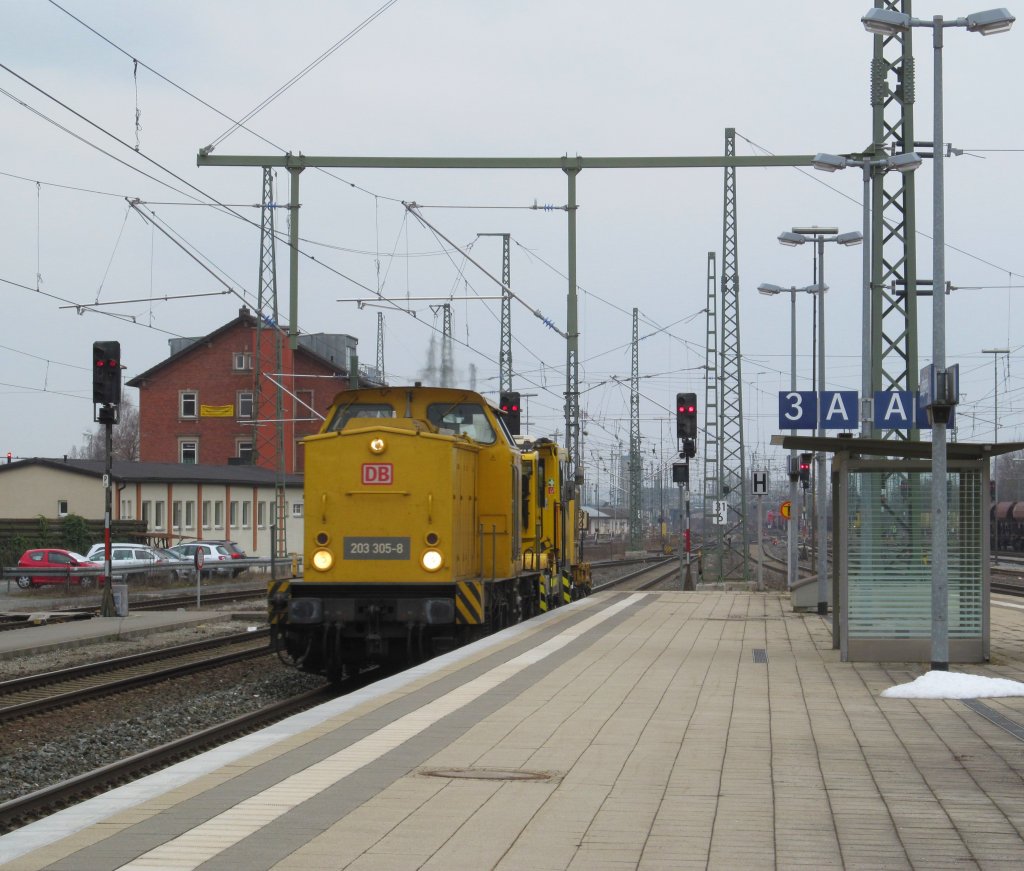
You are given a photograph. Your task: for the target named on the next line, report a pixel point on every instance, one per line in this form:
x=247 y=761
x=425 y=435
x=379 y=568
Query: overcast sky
x=457 y=78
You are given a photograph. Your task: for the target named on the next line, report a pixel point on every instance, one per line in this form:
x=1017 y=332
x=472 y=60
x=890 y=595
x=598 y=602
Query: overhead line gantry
x=571 y=166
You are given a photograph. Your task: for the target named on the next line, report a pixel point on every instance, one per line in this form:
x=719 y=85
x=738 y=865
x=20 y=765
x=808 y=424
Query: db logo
x=378 y=473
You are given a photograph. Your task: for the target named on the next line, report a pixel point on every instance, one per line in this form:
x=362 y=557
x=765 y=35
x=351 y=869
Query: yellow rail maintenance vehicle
x=413 y=540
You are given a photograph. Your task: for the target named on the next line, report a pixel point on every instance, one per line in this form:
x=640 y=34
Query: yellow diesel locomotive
x=426 y=526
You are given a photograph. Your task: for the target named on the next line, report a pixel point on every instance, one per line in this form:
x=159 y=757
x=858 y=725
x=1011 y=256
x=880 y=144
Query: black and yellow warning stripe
x=469 y=603
x=277 y=600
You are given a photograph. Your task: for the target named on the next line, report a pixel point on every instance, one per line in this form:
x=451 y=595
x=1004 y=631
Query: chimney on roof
x=243 y=312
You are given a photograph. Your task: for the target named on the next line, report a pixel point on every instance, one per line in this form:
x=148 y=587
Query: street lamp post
x=794 y=518
x=821 y=235
x=888 y=22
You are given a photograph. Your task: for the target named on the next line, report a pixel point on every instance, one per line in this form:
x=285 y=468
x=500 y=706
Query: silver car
x=132 y=559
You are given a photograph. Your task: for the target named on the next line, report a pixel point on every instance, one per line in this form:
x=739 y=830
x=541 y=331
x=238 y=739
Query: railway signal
x=805 y=469
x=509 y=403
x=106 y=373
x=686 y=415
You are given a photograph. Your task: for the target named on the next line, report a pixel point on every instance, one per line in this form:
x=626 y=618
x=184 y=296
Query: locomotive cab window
x=462 y=418
x=359 y=409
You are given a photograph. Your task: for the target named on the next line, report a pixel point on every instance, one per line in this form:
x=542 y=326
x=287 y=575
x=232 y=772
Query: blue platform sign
x=839 y=410
x=895 y=409
x=798 y=409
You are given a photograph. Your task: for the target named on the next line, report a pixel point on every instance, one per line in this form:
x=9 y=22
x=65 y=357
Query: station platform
x=644 y=730
x=75 y=633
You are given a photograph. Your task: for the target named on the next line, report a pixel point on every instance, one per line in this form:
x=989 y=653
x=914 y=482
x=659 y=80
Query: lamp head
x=792 y=239
x=829 y=162
x=849 y=239
x=991 y=21
x=904 y=162
x=885 y=22
x=769 y=289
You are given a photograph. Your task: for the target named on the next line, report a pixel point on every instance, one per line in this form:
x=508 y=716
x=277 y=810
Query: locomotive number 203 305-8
x=376 y=547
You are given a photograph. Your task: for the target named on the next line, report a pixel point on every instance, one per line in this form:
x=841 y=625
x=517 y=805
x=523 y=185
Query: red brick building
x=200 y=404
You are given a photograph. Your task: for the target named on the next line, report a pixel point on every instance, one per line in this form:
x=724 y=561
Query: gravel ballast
x=44 y=750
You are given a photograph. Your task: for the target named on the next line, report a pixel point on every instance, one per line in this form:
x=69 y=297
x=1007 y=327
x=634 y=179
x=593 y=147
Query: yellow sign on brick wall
x=216 y=411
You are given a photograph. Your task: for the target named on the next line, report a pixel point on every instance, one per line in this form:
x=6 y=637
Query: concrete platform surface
x=629 y=730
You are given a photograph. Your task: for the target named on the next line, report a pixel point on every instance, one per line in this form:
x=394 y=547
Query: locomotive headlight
x=377 y=446
x=323 y=559
x=431 y=560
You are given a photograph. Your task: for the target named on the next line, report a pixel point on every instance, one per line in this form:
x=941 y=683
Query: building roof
x=901 y=448
x=245 y=319
x=127 y=471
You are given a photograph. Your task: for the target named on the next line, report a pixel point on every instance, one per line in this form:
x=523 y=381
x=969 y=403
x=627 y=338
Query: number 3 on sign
x=798 y=409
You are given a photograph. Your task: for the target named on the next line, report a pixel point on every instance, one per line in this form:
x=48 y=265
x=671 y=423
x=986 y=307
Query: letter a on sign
x=839 y=409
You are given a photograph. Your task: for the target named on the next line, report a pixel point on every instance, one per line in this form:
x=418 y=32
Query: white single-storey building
x=176 y=501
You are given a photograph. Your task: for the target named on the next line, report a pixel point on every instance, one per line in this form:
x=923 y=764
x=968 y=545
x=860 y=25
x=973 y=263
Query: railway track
x=652 y=572
x=35 y=694
x=17 y=812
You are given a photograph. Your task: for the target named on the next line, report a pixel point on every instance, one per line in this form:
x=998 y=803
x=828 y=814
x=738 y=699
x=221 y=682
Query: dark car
x=68 y=561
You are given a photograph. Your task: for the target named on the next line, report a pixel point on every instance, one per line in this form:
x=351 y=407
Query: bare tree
x=124 y=438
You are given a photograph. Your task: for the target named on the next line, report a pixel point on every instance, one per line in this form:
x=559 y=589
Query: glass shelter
x=881 y=537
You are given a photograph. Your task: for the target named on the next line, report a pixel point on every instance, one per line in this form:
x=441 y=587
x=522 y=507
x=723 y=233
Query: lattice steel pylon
x=712 y=440
x=380 y=348
x=734 y=556
x=268 y=401
x=505 y=353
x=447 y=364
x=635 y=469
x=894 y=346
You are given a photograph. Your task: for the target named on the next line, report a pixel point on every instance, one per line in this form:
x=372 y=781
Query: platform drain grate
x=760 y=654
x=487 y=774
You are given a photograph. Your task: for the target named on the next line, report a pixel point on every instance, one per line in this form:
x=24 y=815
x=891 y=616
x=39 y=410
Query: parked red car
x=58 y=559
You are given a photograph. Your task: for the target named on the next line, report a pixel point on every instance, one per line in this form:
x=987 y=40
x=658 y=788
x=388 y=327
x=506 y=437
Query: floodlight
x=828 y=162
x=989 y=22
x=849 y=239
x=769 y=289
x=885 y=22
x=904 y=162
x=792 y=239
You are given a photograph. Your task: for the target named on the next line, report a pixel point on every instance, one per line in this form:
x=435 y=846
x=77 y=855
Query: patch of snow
x=954 y=685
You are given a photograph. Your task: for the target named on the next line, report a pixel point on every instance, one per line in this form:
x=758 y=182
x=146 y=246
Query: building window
x=188 y=451
x=176 y=513
x=206 y=514
x=233 y=514
x=246 y=515
x=242 y=361
x=296 y=509
x=62 y=507
x=244 y=403
x=243 y=449
x=188 y=403
x=261 y=515
x=218 y=514
x=147 y=512
x=158 y=516
x=126 y=509
x=190 y=514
